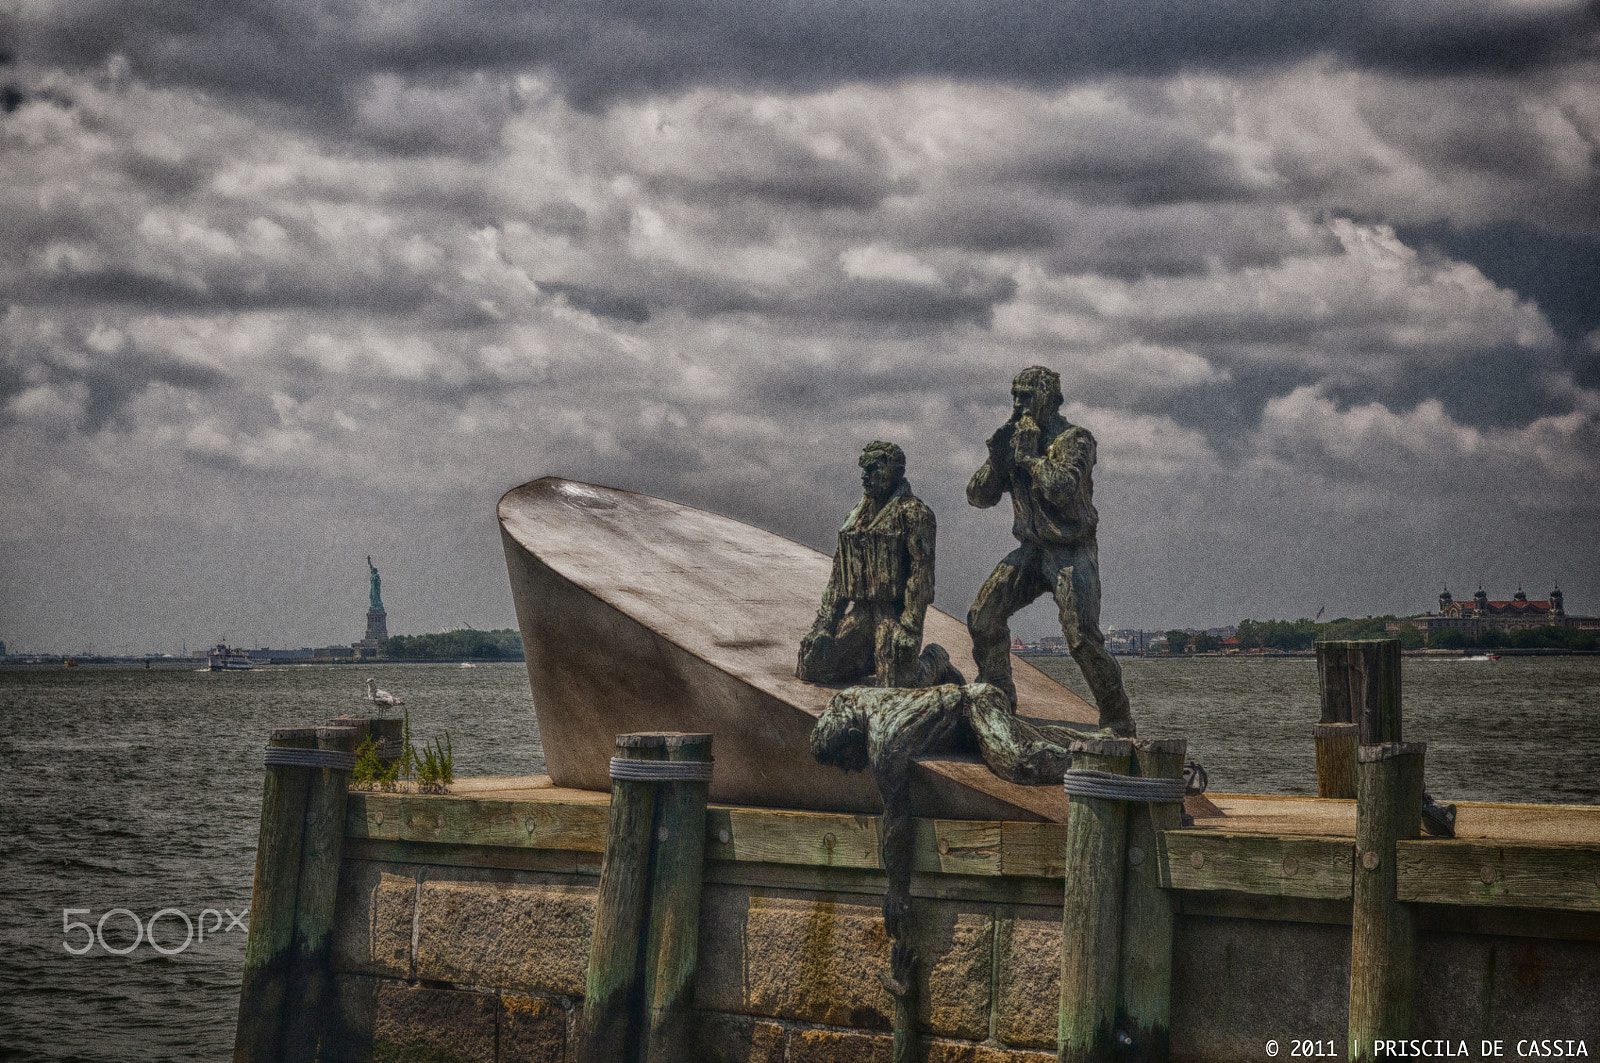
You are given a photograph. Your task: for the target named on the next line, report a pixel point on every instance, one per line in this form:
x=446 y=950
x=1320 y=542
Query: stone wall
x=439 y=963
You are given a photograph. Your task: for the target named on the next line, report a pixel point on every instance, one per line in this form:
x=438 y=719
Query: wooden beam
x=474 y=821
x=1499 y=874
x=1274 y=865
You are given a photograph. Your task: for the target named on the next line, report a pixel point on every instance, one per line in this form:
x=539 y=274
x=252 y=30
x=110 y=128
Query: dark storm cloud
x=1560 y=271
x=320 y=57
x=391 y=292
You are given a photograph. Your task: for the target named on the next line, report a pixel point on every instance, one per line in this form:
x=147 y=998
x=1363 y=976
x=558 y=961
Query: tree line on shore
x=1304 y=633
x=505 y=644
x=502 y=644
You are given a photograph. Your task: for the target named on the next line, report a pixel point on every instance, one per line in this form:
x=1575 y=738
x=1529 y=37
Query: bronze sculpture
x=883 y=574
x=870 y=727
x=1047 y=465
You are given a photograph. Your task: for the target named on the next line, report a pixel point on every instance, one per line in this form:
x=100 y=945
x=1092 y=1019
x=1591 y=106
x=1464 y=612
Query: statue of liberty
x=374 y=585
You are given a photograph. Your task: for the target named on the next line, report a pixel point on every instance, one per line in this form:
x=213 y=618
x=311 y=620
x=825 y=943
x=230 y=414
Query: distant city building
x=1479 y=615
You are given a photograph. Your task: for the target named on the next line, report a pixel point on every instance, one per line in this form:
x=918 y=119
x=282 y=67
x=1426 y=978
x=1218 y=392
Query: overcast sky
x=288 y=282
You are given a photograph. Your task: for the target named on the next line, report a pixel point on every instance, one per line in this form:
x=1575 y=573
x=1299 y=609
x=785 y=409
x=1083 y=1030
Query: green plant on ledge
x=433 y=769
x=436 y=768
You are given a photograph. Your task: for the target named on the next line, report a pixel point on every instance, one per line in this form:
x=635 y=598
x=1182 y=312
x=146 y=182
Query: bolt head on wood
x=1135 y=856
x=1290 y=865
x=723 y=836
x=1486 y=873
x=1197 y=858
x=1370 y=860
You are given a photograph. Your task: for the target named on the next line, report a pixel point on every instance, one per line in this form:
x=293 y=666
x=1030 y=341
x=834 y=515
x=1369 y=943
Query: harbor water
x=130 y=792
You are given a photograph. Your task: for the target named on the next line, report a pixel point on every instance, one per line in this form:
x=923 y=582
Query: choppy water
x=1489 y=725
x=141 y=790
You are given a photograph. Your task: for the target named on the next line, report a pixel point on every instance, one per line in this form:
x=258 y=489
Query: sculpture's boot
x=934 y=667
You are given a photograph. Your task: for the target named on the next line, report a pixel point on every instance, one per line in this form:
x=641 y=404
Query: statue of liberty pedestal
x=377 y=619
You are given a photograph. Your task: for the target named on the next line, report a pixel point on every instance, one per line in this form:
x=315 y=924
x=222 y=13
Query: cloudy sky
x=285 y=282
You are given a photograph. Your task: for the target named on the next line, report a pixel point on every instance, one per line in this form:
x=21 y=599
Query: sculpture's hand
x=1000 y=446
x=1025 y=440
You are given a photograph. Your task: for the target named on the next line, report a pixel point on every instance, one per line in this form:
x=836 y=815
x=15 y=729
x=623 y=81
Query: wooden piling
x=267 y=950
x=1382 y=932
x=608 y=1031
x=1358 y=682
x=1333 y=682
x=1091 y=919
x=308 y=998
x=1144 y=997
x=1336 y=758
x=672 y=943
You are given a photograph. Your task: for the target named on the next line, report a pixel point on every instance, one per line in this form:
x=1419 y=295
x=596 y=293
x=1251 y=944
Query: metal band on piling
x=661 y=770
x=311 y=758
x=1085 y=782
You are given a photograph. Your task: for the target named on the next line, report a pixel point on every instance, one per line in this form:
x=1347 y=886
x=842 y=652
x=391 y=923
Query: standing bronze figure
x=1046 y=464
x=883 y=574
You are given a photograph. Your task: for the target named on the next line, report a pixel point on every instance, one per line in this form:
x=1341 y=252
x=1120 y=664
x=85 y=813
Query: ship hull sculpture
x=639 y=614
x=621 y=599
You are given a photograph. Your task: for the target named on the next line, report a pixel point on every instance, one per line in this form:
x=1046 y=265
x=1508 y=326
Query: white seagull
x=381 y=698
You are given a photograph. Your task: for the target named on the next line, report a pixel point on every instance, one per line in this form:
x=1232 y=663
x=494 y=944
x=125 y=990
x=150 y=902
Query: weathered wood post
x=1144 y=997
x=1091 y=916
x=1382 y=932
x=321 y=848
x=1359 y=685
x=1336 y=758
x=608 y=1031
x=672 y=943
x=259 y=1033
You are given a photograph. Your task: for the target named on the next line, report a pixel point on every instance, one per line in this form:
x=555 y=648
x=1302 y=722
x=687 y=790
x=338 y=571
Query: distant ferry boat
x=224 y=659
